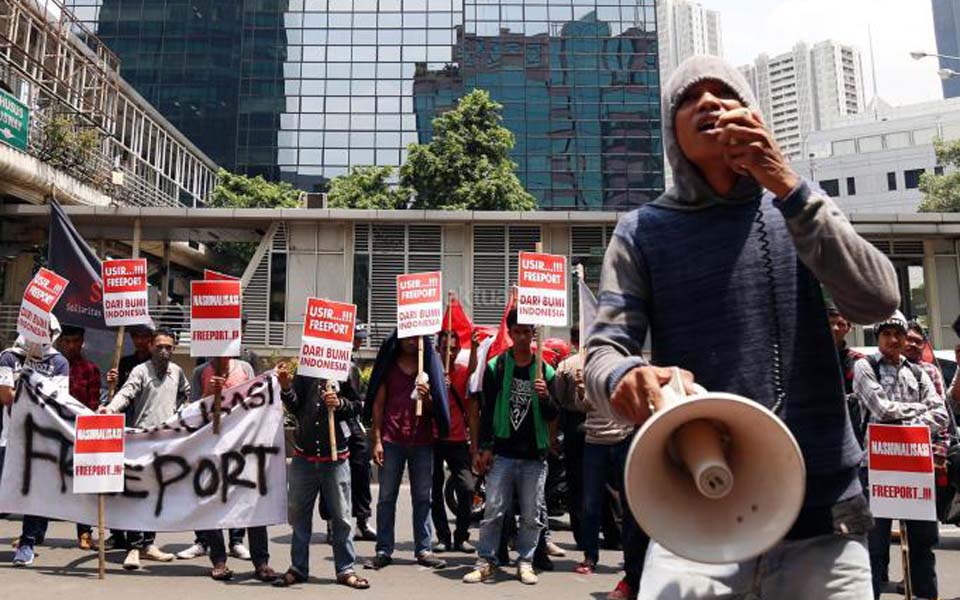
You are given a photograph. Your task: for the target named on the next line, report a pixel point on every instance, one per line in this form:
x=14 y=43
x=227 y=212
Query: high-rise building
x=686 y=29
x=946 y=27
x=806 y=89
x=319 y=86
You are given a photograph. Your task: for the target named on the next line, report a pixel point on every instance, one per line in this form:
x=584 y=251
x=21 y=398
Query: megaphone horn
x=714 y=477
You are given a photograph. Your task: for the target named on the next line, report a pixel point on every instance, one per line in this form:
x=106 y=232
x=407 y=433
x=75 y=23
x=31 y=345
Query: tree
x=941 y=193
x=71 y=147
x=240 y=191
x=466 y=166
x=366 y=187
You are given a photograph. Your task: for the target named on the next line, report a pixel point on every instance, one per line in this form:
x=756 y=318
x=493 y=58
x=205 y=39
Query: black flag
x=69 y=255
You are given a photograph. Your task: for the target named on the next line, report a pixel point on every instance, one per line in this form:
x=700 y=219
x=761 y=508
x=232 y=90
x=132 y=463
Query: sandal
x=289 y=578
x=585 y=568
x=221 y=573
x=352 y=580
x=265 y=573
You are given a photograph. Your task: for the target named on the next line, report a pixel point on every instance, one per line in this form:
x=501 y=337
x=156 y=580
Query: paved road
x=61 y=571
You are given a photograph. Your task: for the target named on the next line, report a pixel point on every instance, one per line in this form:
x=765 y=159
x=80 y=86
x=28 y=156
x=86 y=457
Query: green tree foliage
x=366 y=187
x=240 y=191
x=71 y=147
x=466 y=166
x=941 y=193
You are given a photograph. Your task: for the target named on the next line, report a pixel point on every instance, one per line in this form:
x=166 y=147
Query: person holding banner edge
x=154 y=390
x=314 y=471
x=47 y=361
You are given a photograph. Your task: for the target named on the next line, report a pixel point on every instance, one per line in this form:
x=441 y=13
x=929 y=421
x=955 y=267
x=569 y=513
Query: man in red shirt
x=456 y=450
x=85 y=387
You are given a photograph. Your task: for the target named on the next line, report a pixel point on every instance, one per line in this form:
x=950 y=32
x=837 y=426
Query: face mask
x=161 y=358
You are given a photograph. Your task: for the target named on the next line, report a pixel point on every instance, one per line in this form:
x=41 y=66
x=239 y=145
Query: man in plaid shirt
x=891 y=390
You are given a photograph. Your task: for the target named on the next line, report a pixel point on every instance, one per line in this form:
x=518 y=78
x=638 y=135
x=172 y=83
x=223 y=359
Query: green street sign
x=14 y=121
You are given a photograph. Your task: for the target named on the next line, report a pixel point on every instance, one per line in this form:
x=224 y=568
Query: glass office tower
x=319 y=86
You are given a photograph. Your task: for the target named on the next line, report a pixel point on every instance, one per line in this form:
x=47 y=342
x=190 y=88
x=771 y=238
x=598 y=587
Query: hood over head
x=690 y=190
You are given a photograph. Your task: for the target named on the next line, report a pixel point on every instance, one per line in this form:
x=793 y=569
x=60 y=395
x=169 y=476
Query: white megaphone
x=714 y=477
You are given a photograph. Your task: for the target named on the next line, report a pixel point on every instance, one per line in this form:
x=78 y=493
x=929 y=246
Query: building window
x=844 y=147
x=938 y=170
x=831 y=187
x=911 y=178
x=495 y=254
x=872 y=143
x=891 y=181
x=851 y=186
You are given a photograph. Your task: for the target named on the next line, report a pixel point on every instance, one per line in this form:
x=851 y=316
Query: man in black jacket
x=314 y=469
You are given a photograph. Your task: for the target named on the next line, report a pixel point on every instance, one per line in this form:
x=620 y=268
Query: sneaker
x=239 y=551
x=24 y=556
x=365 y=532
x=484 y=571
x=464 y=547
x=525 y=573
x=623 y=591
x=440 y=547
x=84 y=541
x=195 y=551
x=555 y=550
x=427 y=559
x=378 y=562
x=153 y=552
x=132 y=561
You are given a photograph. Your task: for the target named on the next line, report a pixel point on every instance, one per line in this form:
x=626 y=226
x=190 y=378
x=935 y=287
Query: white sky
x=898 y=26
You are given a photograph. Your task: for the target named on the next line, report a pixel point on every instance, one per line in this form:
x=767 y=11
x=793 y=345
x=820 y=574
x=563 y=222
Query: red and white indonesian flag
x=327 y=342
x=542 y=289
x=41 y=295
x=215 y=318
x=419 y=304
x=901 y=475
x=98 y=454
x=125 y=292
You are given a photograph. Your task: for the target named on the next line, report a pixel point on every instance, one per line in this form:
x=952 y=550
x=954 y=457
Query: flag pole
x=419 y=373
x=331 y=426
x=905 y=557
x=118 y=347
x=218 y=395
x=101 y=550
x=446 y=362
x=539 y=336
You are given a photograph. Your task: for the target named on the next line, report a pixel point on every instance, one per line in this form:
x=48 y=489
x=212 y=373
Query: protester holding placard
x=313 y=470
x=46 y=361
x=401 y=438
x=212 y=377
x=85 y=387
x=514 y=442
x=891 y=390
x=155 y=389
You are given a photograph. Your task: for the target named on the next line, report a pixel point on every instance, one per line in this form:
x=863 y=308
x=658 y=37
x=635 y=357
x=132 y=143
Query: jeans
x=601 y=463
x=922 y=536
x=526 y=479
x=828 y=567
x=213 y=540
x=307 y=480
x=141 y=539
x=360 y=475
x=34 y=529
x=420 y=460
x=457 y=456
x=634 y=540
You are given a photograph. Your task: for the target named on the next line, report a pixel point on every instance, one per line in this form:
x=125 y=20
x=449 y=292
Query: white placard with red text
x=327 y=342
x=41 y=295
x=901 y=475
x=215 y=318
x=125 y=292
x=98 y=454
x=419 y=304
x=542 y=290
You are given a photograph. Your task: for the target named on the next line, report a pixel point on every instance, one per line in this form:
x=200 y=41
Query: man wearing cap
x=893 y=391
x=724 y=270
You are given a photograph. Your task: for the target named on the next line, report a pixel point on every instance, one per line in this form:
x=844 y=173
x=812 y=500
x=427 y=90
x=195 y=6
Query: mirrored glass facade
x=322 y=85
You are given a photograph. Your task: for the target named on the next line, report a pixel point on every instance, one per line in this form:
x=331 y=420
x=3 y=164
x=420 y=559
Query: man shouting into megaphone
x=725 y=271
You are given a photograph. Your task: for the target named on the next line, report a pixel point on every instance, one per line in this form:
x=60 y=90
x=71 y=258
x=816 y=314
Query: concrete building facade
x=686 y=29
x=873 y=161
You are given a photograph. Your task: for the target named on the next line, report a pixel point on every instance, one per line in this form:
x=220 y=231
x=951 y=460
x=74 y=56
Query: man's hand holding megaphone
x=639 y=394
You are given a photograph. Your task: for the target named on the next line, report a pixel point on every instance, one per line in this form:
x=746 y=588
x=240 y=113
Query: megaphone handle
x=676 y=384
